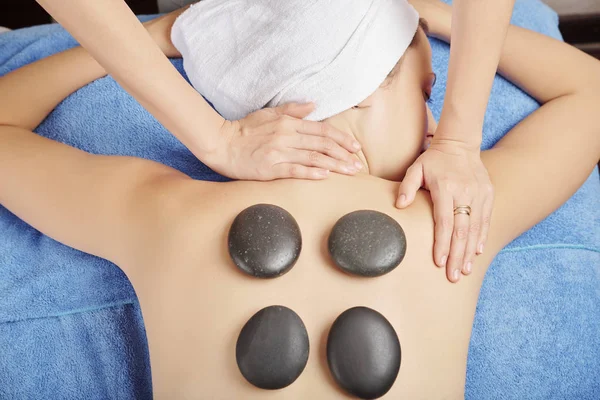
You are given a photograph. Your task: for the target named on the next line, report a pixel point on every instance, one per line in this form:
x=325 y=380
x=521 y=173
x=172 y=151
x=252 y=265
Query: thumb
x=409 y=186
x=295 y=110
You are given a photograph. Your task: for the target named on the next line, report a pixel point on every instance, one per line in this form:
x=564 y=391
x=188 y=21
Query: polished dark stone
x=363 y=353
x=367 y=243
x=265 y=241
x=272 y=349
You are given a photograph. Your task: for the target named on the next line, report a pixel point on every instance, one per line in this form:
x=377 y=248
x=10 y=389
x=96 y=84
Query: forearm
x=48 y=185
x=478 y=31
x=554 y=150
x=139 y=65
x=30 y=93
x=97 y=204
x=543 y=67
x=84 y=201
x=542 y=162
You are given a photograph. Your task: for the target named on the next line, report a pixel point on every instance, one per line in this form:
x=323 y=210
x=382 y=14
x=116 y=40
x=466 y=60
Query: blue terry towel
x=70 y=325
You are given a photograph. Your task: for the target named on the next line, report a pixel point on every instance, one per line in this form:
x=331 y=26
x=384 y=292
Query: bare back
x=195 y=301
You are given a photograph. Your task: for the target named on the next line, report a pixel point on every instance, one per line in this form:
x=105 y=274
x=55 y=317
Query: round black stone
x=367 y=243
x=264 y=241
x=363 y=353
x=272 y=349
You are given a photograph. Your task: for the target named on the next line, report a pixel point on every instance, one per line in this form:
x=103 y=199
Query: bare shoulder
x=161 y=204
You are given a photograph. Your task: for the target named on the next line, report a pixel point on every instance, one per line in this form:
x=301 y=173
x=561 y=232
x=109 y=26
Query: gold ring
x=462 y=210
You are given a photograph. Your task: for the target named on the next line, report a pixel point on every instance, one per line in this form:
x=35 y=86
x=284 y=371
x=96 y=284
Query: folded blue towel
x=70 y=325
x=537 y=328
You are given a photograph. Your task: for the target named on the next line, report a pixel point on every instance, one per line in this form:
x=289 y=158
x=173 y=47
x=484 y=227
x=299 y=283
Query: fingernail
x=455 y=274
x=323 y=173
x=468 y=267
x=480 y=248
x=358 y=165
x=444 y=259
x=403 y=200
x=351 y=168
x=356 y=145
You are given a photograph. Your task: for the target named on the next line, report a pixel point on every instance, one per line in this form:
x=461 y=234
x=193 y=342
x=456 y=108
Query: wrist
x=458 y=124
x=456 y=147
x=213 y=151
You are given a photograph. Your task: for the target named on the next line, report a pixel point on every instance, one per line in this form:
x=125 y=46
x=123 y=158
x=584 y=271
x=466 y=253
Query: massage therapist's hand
x=451 y=168
x=455 y=176
x=271 y=143
x=275 y=143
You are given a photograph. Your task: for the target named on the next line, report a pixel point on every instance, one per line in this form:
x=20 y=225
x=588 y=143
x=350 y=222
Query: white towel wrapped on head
x=243 y=55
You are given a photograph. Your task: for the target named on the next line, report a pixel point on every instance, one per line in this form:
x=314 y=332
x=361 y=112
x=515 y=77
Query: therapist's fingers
x=475 y=223
x=275 y=143
x=296 y=110
x=460 y=235
x=306 y=149
x=299 y=111
x=411 y=183
x=443 y=206
x=314 y=158
x=326 y=130
x=298 y=171
x=324 y=146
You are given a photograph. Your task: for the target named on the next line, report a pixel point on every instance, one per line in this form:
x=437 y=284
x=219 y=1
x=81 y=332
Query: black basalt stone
x=264 y=241
x=363 y=353
x=272 y=349
x=367 y=243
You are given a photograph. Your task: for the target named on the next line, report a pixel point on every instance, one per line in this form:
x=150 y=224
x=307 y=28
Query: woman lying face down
x=171 y=234
x=368 y=78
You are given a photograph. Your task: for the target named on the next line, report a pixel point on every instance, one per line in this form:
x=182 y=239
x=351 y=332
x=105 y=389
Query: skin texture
x=169 y=233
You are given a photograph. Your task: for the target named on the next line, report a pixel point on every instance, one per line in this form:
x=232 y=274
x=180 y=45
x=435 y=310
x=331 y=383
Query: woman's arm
x=36 y=89
x=111 y=33
x=89 y=202
x=541 y=162
x=451 y=168
x=251 y=148
x=478 y=31
x=101 y=205
x=30 y=93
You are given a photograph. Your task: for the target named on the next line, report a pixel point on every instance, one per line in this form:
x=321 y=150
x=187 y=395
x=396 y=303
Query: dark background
x=16 y=14
x=580 y=30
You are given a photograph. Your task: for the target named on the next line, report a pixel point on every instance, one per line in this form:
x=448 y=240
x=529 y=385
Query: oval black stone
x=272 y=349
x=367 y=243
x=264 y=241
x=363 y=353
